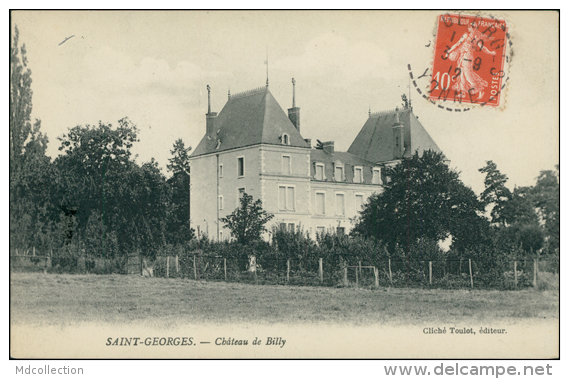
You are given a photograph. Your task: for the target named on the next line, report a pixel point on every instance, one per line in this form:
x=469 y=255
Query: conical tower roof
x=375 y=140
x=247 y=119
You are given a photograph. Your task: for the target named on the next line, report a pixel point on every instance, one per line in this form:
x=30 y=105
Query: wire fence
x=311 y=271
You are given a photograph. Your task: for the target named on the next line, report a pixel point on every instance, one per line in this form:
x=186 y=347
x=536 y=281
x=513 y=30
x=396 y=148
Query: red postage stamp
x=469 y=60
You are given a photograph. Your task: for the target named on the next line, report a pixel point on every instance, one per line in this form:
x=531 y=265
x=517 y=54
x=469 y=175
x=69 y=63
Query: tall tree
x=180 y=160
x=30 y=168
x=247 y=222
x=495 y=194
x=513 y=213
x=20 y=98
x=546 y=199
x=423 y=200
x=178 y=221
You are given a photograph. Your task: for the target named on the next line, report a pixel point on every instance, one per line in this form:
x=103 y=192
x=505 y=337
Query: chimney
x=398 y=140
x=328 y=146
x=294 y=112
x=210 y=117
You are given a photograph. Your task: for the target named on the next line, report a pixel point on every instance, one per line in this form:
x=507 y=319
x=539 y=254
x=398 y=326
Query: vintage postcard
x=284 y=184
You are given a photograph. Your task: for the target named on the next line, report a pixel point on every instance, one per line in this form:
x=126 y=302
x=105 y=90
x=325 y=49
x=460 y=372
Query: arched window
x=285 y=139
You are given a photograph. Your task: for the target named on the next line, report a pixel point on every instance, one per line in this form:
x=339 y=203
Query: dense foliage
x=247 y=222
x=525 y=221
x=423 y=200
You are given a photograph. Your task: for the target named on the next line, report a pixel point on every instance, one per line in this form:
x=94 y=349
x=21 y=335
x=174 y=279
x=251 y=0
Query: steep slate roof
x=375 y=140
x=250 y=118
x=348 y=159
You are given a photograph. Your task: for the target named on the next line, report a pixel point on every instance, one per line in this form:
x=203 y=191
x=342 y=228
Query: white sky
x=153 y=67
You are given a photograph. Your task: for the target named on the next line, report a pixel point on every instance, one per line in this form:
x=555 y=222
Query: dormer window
x=319 y=175
x=376 y=178
x=339 y=172
x=285 y=140
x=358 y=175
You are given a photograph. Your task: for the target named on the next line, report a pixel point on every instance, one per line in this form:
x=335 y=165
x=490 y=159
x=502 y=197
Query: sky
x=153 y=67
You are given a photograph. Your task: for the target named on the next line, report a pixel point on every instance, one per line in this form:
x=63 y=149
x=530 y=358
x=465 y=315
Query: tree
x=30 y=169
x=100 y=183
x=247 y=222
x=514 y=213
x=423 y=200
x=546 y=199
x=495 y=194
x=180 y=161
x=20 y=98
x=178 y=220
x=93 y=169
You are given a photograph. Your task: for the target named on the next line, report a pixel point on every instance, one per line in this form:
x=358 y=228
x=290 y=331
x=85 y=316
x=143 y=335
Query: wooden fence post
x=34 y=251
x=195 y=271
x=321 y=270
x=535 y=273
x=346 y=275
x=287 y=270
x=177 y=264
x=225 y=268
x=516 y=274
x=357 y=277
x=470 y=269
x=430 y=272
x=167 y=266
x=360 y=267
x=376 y=273
x=390 y=274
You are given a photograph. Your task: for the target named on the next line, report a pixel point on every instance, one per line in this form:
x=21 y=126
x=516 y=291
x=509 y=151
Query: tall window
x=286 y=165
x=220 y=202
x=358 y=178
x=240 y=166
x=320 y=203
x=320 y=230
x=286 y=198
x=319 y=171
x=359 y=202
x=221 y=170
x=240 y=193
x=376 y=176
x=339 y=173
x=340 y=205
x=285 y=139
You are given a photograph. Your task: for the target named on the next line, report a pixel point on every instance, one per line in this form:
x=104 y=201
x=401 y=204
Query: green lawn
x=54 y=299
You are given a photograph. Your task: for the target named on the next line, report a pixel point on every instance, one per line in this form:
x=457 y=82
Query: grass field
x=54 y=299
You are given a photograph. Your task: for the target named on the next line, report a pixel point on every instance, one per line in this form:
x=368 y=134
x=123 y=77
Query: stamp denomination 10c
x=468 y=67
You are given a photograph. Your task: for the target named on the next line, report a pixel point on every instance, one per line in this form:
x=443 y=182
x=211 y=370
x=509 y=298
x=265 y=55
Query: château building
x=252 y=146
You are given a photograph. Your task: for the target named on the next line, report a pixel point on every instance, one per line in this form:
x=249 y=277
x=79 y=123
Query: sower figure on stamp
x=463 y=53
